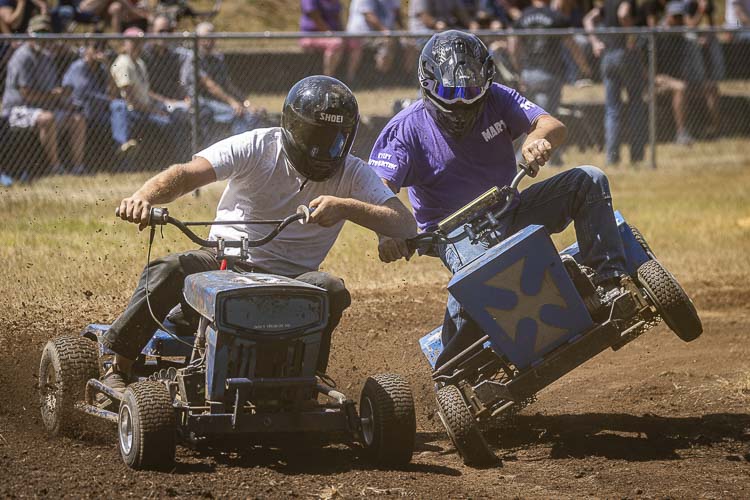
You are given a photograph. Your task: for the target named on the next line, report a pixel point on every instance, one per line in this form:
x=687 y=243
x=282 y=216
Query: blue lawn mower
x=245 y=376
x=539 y=312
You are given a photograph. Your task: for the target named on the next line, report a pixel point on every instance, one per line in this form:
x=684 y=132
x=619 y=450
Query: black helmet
x=318 y=122
x=455 y=72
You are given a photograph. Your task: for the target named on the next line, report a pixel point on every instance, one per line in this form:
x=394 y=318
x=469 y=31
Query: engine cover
x=257 y=304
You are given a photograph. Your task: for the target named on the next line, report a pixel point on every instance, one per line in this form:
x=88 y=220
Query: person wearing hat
x=33 y=98
x=139 y=107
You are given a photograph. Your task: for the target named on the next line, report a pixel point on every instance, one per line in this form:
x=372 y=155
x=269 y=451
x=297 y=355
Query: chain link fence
x=81 y=105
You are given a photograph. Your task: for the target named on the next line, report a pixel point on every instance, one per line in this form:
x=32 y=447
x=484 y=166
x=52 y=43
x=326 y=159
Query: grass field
x=60 y=237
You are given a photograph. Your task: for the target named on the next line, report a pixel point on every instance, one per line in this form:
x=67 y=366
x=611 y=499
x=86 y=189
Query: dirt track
x=658 y=418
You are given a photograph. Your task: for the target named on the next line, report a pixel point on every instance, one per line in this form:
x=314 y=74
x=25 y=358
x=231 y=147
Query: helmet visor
x=452 y=95
x=321 y=143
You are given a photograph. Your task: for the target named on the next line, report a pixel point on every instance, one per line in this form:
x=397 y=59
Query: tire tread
x=464 y=433
x=673 y=304
x=396 y=424
x=156 y=441
x=78 y=361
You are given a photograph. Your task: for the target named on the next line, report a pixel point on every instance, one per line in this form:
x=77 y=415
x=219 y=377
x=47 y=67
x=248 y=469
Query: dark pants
x=580 y=195
x=623 y=69
x=135 y=327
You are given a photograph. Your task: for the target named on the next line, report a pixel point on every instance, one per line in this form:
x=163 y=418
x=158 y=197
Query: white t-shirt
x=263 y=186
x=384 y=10
x=126 y=72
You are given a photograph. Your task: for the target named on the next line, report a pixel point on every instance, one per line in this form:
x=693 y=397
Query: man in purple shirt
x=456 y=142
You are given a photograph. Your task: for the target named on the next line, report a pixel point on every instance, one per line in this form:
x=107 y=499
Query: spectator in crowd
x=571 y=11
x=540 y=59
x=713 y=59
x=374 y=16
x=435 y=15
x=493 y=14
x=489 y=14
x=139 y=106
x=87 y=79
x=513 y=8
x=164 y=61
x=68 y=11
x=653 y=11
x=323 y=16
x=622 y=67
x=677 y=68
x=737 y=15
x=15 y=14
x=33 y=99
x=219 y=100
x=439 y=15
x=117 y=13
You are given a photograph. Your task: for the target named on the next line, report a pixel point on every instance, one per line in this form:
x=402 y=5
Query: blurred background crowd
x=82 y=106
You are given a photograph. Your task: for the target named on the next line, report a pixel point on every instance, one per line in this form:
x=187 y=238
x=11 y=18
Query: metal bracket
x=220 y=246
x=490 y=392
x=244 y=248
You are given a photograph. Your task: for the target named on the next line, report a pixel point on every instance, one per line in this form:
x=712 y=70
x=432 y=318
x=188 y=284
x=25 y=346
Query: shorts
x=27 y=117
x=328 y=45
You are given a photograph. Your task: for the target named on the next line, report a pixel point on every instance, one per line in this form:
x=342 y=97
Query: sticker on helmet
x=330 y=118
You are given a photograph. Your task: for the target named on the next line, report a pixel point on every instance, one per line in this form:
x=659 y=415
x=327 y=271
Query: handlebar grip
x=305 y=212
x=157 y=216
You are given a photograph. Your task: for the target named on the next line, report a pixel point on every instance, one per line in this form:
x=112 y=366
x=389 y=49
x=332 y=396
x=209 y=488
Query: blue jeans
x=623 y=68
x=128 y=123
x=220 y=112
x=580 y=195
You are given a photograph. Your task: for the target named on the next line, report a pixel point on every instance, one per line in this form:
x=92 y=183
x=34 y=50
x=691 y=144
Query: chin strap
x=304 y=183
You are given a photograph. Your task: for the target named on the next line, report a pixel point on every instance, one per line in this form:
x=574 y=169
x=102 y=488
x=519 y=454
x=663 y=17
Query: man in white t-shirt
x=270 y=172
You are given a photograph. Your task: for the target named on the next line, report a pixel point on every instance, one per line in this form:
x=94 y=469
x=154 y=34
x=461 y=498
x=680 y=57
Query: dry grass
x=60 y=236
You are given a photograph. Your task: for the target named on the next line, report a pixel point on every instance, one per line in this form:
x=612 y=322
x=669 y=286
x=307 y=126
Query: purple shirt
x=443 y=174
x=329 y=9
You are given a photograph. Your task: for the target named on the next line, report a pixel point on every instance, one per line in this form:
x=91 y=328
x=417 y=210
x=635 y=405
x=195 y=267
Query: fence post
x=196 y=105
x=652 y=95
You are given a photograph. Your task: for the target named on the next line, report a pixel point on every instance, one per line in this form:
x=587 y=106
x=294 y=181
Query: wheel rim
x=368 y=423
x=125 y=429
x=49 y=393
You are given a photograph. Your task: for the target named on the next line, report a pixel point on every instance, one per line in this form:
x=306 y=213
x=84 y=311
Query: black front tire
x=671 y=301
x=67 y=364
x=146 y=427
x=389 y=423
x=642 y=241
x=462 y=428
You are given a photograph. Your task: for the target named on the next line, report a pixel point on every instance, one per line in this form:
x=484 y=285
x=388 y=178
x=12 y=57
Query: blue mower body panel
x=161 y=344
x=521 y=296
x=634 y=253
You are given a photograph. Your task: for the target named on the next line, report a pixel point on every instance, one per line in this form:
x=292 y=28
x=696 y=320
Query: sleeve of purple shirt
x=520 y=112
x=390 y=157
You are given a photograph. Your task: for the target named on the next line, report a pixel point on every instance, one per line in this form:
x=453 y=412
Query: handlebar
x=431 y=237
x=159 y=216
